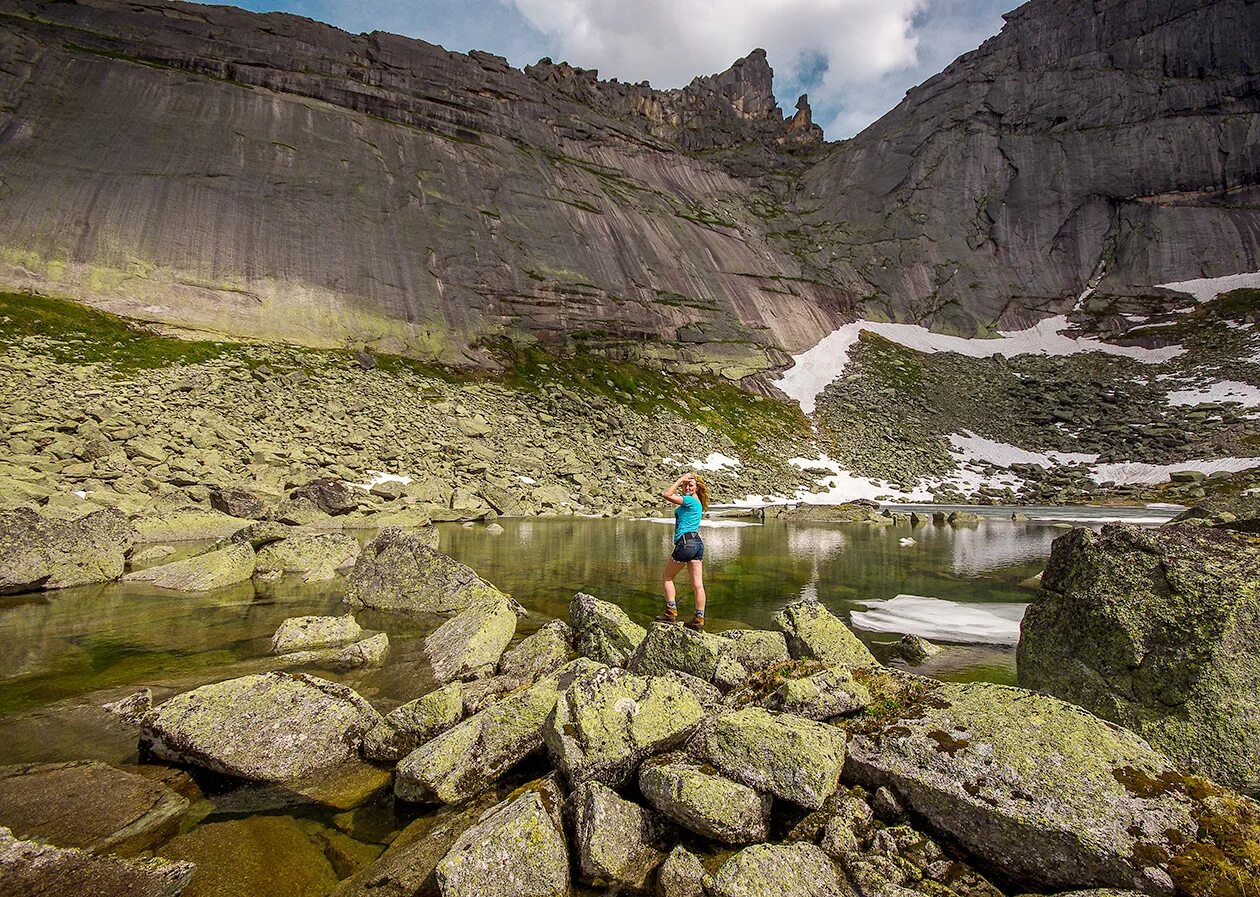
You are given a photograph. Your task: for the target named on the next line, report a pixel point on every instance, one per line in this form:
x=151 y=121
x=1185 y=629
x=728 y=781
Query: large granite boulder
x=468 y=645
x=402 y=571
x=42 y=553
x=238 y=502
x=606 y=724
x=272 y=727
x=822 y=695
x=329 y=494
x=779 y=870
x=186 y=524
x=815 y=633
x=618 y=843
x=467 y=759
x=518 y=849
x=602 y=631
x=548 y=649
x=217 y=568
x=756 y=649
x=707 y=657
x=710 y=805
x=792 y=758
x=33 y=869
x=1157 y=630
x=1039 y=789
x=88 y=805
x=407 y=727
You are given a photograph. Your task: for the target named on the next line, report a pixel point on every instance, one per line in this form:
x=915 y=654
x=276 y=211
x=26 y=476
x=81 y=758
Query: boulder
x=782 y=870
x=259 y=535
x=517 y=849
x=815 y=633
x=602 y=631
x=88 y=805
x=792 y=758
x=670 y=647
x=32 y=869
x=186 y=524
x=1156 y=629
x=618 y=843
x=317 y=556
x=329 y=494
x=401 y=571
x=304 y=633
x=682 y=875
x=407 y=727
x=606 y=724
x=467 y=759
x=1034 y=786
x=367 y=652
x=710 y=805
x=756 y=649
x=548 y=649
x=237 y=502
x=213 y=569
x=468 y=645
x=272 y=727
x=41 y=553
x=831 y=692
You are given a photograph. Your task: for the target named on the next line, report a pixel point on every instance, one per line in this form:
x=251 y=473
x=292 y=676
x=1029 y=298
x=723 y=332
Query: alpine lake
x=66 y=653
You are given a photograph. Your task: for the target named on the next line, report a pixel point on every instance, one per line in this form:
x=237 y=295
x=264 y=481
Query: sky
x=855 y=58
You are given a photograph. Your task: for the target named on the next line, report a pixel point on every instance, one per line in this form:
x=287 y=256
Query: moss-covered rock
x=606 y=724
x=317 y=556
x=1159 y=631
x=273 y=727
x=779 y=870
x=682 y=875
x=618 y=842
x=213 y=569
x=830 y=692
x=669 y=647
x=469 y=758
x=815 y=633
x=303 y=633
x=517 y=849
x=469 y=645
x=29 y=869
x=41 y=553
x=602 y=631
x=548 y=649
x=708 y=804
x=407 y=727
x=792 y=758
x=756 y=649
x=189 y=524
x=1030 y=785
x=402 y=571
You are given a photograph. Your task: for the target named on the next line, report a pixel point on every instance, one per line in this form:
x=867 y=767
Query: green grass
x=77 y=334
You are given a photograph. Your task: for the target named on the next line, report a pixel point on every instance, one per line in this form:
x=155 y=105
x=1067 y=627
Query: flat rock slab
x=608 y=723
x=469 y=644
x=88 y=805
x=779 y=870
x=31 y=869
x=272 y=727
x=518 y=849
x=1031 y=784
x=214 y=569
x=403 y=571
x=815 y=633
x=186 y=525
x=710 y=805
x=37 y=552
x=303 y=633
x=618 y=842
x=602 y=631
x=792 y=758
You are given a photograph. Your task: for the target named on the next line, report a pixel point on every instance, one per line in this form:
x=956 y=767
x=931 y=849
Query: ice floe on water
x=818 y=366
x=941 y=620
x=1205 y=289
x=1222 y=391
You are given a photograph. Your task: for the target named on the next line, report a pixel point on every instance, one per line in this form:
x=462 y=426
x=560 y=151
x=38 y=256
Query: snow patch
x=528 y=481
x=1205 y=289
x=1128 y=473
x=818 y=366
x=376 y=477
x=948 y=621
x=1222 y=391
x=714 y=462
x=970 y=447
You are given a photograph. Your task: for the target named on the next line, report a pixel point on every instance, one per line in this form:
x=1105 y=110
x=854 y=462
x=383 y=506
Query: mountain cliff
x=269 y=176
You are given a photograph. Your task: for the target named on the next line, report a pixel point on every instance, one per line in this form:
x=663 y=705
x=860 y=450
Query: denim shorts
x=689 y=547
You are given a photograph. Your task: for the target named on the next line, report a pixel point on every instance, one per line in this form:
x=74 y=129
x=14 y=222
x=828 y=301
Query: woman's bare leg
x=696 y=569
x=667 y=580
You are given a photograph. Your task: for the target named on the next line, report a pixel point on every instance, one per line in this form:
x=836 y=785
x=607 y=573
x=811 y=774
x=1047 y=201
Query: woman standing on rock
x=688 y=547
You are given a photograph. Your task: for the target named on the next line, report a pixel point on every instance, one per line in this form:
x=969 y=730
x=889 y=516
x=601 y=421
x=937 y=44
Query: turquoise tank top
x=687 y=516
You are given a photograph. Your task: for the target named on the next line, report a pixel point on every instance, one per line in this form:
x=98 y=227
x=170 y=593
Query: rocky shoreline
x=596 y=755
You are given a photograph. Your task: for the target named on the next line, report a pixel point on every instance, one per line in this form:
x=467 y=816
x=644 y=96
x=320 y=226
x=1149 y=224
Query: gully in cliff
x=688 y=546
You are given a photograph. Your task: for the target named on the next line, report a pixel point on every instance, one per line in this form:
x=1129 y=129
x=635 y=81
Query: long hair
x=702 y=492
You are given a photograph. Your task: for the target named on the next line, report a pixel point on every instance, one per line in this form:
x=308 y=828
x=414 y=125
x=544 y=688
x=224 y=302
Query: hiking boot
x=696 y=622
x=669 y=616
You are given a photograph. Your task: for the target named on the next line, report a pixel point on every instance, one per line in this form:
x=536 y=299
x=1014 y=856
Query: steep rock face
x=270 y=176
x=1108 y=141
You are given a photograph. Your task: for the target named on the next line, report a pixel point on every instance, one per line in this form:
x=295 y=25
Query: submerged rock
x=304 y=633
x=402 y=571
x=792 y=758
x=602 y=631
x=272 y=727
x=31 y=869
x=710 y=805
x=518 y=849
x=607 y=723
x=618 y=842
x=469 y=645
x=407 y=727
x=214 y=569
x=782 y=870
x=815 y=633
x=368 y=652
x=41 y=553
x=1034 y=786
x=88 y=805
x=1156 y=630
